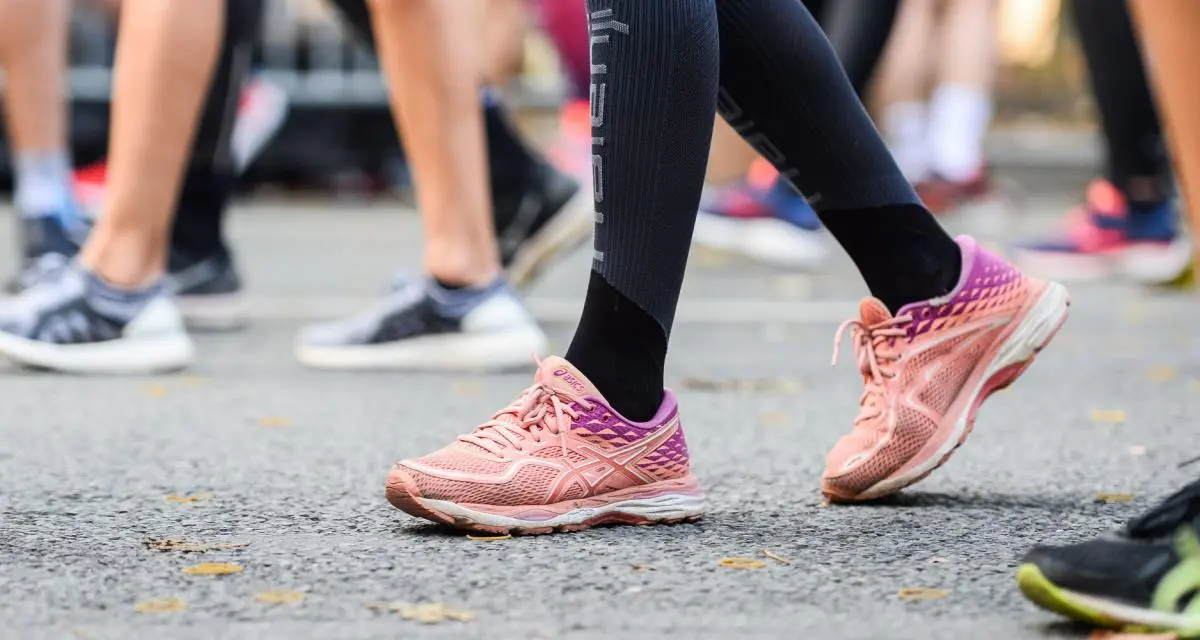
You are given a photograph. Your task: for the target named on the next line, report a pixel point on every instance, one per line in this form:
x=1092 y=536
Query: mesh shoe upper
x=916 y=365
x=559 y=441
x=1130 y=565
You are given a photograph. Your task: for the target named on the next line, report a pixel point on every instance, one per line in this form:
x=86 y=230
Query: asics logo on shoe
x=616 y=467
x=571 y=380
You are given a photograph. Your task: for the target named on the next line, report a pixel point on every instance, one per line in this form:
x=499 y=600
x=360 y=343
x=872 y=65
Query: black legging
x=1132 y=134
x=210 y=174
x=858 y=31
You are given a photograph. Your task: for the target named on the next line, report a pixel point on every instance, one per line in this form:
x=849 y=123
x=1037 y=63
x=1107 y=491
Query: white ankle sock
x=959 y=116
x=43 y=182
x=904 y=125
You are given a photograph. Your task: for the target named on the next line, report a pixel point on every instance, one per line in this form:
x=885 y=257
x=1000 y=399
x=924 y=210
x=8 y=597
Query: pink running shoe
x=557 y=459
x=928 y=369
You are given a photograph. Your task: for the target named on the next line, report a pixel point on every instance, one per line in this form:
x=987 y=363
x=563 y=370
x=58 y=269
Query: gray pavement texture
x=291 y=463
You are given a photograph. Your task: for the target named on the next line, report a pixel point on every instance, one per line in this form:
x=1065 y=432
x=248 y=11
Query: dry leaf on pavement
x=279 y=597
x=429 y=613
x=921 y=594
x=488 y=538
x=188 y=499
x=1115 y=416
x=212 y=569
x=183 y=546
x=160 y=605
x=741 y=563
x=776 y=558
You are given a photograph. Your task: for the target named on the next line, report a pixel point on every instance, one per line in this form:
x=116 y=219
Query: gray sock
x=458 y=302
x=119 y=303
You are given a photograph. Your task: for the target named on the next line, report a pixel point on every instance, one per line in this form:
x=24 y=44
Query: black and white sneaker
x=73 y=323
x=208 y=291
x=549 y=218
x=422 y=326
x=47 y=246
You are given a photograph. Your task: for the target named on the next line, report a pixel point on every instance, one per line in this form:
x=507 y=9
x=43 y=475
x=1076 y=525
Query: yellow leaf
x=467 y=388
x=1115 y=416
x=1114 y=498
x=921 y=594
x=431 y=613
x=155 y=390
x=212 y=569
x=776 y=558
x=160 y=605
x=780 y=386
x=742 y=563
x=183 y=546
x=488 y=538
x=188 y=499
x=279 y=597
x=1161 y=373
x=274 y=421
x=642 y=567
x=772 y=419
x=707 y=257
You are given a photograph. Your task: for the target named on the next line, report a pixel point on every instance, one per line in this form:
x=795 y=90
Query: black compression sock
x=904 y=255
x=621 y=349
x=785 y=92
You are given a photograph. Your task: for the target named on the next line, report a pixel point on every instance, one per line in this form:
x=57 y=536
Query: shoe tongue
x=872 y=311
x=562 y=376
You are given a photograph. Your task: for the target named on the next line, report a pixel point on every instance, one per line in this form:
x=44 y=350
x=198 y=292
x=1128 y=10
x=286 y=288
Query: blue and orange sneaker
x=771 y=224
x=1105 y=238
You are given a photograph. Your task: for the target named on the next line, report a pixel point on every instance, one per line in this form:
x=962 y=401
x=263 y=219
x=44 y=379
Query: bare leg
x=33 y=53
x=1168 y=37
x=960 y=109
x=504 y=48
x=902 y=86
x=33 y=56
x=166 y=52
x=432 y=64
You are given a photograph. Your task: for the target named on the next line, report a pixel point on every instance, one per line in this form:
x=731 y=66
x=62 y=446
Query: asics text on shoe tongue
x=560 y=375
x=545 y=410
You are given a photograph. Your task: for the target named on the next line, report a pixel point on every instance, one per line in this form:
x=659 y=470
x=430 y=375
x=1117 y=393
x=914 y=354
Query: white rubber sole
x=125 y=356
x=452 y=352
x=224 y=312
x=767 y=240
x=1137 y=616
x=659 y=508
x=1143 y=264
x=1022 y=345
x=569 y=229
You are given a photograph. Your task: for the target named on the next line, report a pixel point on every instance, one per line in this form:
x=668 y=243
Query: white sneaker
x=410 y=330
x=60 y=325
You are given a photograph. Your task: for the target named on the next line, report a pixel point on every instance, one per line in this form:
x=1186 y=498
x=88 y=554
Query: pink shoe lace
x=539 y=410
x=872 y=349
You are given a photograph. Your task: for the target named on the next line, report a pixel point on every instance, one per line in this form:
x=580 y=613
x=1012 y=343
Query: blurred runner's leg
x=33 y=58
x=1127 y=225
x=110 y=312
x=462 y=315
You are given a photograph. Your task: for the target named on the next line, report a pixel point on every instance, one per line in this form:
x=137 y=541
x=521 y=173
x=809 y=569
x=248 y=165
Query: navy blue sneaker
x=208 y=290
x=774 y=226
x=1104 y=239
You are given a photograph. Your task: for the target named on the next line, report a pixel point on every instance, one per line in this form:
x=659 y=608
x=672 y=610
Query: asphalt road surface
x=250 y=449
